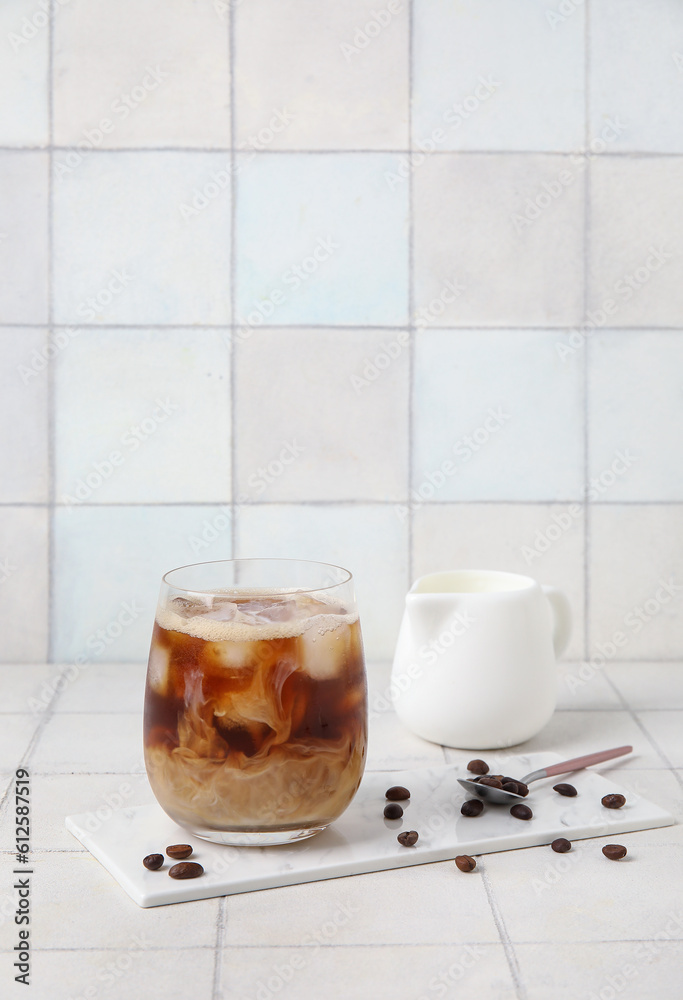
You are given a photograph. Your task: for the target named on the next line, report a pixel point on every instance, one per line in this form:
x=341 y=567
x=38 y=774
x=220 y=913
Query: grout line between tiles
x=233 y=282
x=546 y=328
x=585 y=356
x=50 y=374
x=608 y=154
x=646 y=733
x=508 y=947
x=340 y=502
x=411 y=305
x=217 y=991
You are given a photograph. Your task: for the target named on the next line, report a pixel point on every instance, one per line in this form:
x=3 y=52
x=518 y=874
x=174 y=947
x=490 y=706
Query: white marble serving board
x=361 y=840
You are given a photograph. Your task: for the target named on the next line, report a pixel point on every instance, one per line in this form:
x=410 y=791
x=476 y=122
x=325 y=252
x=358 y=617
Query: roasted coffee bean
x=561 y=846
x=614 y=851
x=520 y=811
x=564 y=789
x=397 y=793
x=498 y=777
x=613 y=801
x=153 y=861
x=491 y=782
x=511 y=786
x=179 y=851
x=186 y=869
x=522 y=789
x=473 y=807
x=478 y=767
x=408 y=838
x=392 y=810
x=465 y=863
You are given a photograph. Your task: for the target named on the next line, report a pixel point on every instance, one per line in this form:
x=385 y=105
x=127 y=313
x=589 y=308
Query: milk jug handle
x=563 y=619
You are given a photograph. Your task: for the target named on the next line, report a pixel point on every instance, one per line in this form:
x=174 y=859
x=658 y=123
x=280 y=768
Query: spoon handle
x=578 y=762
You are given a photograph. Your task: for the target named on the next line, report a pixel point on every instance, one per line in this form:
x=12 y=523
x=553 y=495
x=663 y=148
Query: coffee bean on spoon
x=491 y=782
x=561 y=846
x=520 y=811
x=397 y=793
x=564 y=789
x=179 y=851
x=186 y=869
x=522 y=789
x=478 y=767
x=473 y=807
x=408 y=838
x=615 y=852
x=511 y=786
x=465 y=863
x=153 y=862
x=392 y=810
x=613 y=801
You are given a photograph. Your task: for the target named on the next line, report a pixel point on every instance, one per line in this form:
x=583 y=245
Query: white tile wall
x=355 y=227
x=317 y=74
x=24 y=236
x=132 y=74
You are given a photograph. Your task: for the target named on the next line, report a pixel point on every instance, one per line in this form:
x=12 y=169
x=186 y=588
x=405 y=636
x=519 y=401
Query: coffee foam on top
x=213 y=630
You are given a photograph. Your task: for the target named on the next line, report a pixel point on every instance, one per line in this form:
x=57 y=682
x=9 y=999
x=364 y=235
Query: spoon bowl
x=502 y=797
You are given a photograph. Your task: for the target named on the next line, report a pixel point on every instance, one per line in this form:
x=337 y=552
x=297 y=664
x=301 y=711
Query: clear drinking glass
x=255 y=725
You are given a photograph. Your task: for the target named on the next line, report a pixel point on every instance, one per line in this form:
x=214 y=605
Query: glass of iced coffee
x=255 y=725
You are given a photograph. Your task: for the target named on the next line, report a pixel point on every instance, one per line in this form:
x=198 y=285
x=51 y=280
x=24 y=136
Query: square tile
x=23 y=458
x=79 y=742
x=648 y=685
x=55 y=796
x=143 y=238
x=392 y=747
x=126 y=550
x=132 y=969
x=22 y=682
x=487 y=243
x=120 y=81
x=24 y=582
x=582 y=896
x=623 y=35
x=309 y=67
x=23 y=236
x=631 y=969
x=16 y=733
x=666 y=729
x=105 y=687
x=583 y=687
x=636 y=266
x=128 y=407
x=575 y=733
x=67 y=916
x=347 y=436
x=481 y=438
x=366 y=539
x=636 y=585
x=477 y=67
x=353 y=904
x=479 y=971
x=24 y=74
x=320 y=239
x=542 y=541
x=635 y=415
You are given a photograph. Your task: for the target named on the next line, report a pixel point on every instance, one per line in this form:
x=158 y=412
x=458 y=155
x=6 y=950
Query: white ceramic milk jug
x=475 y=660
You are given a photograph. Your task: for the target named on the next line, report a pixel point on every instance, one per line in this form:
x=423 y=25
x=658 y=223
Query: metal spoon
x=499 y=795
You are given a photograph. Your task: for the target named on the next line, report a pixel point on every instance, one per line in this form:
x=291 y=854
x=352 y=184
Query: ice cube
x=324 y=654
x=157 y=669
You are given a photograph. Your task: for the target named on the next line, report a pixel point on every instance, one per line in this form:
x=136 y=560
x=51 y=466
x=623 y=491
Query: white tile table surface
x=526 y=924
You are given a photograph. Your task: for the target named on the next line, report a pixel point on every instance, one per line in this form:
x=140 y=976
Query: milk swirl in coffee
x=255 y=711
